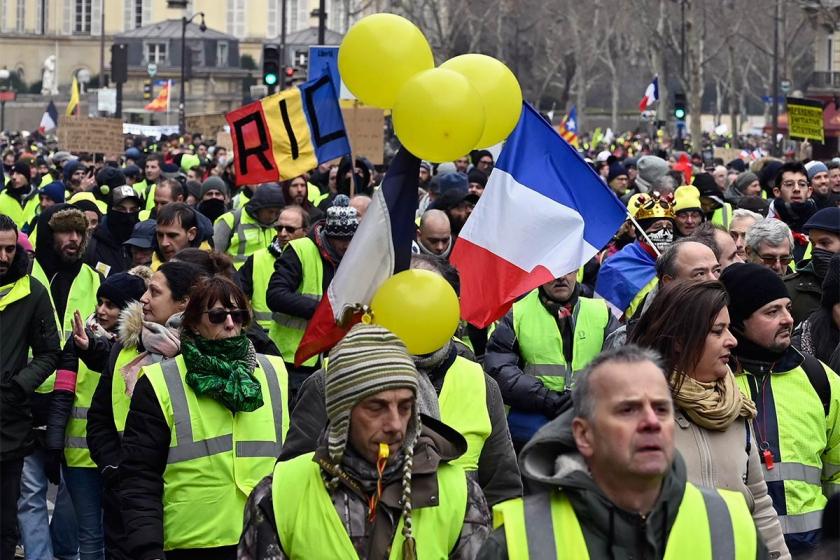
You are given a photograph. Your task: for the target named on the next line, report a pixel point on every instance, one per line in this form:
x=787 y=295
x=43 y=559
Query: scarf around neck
x=713 y=405
x=223 y=370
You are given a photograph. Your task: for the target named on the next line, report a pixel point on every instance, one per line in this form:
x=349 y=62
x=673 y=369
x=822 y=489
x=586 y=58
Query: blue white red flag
x=623 y=276
x=651 y=94
x=49 y=120
x=544 y=214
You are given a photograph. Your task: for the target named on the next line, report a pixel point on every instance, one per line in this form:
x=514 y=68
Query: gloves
x=560 y=403
x=53 y=458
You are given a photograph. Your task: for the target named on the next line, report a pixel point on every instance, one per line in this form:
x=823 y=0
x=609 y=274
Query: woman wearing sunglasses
x=203 y=429
x=688 y=324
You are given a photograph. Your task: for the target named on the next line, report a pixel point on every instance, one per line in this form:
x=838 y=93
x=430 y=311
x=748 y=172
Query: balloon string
x=381 y=461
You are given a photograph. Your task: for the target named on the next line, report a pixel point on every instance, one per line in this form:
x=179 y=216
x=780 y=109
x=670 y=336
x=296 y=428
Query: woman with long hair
x=203 y=428
x=688 y=324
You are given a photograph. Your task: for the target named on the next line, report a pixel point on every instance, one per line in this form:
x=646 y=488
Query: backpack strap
x=818 y=378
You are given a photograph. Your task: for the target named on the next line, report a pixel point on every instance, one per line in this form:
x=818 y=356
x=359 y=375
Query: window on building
x=155 y=52
x=293 y=16
x=222 y=54
x=236 y=18
x=20 y=26
x=83 y=16
x=42 y=16
x=137 y=13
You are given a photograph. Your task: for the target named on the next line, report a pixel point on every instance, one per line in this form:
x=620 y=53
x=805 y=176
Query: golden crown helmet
x=652 y=205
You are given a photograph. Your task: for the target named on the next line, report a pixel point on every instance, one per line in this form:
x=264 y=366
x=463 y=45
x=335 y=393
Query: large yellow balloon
x=438 y=115
x=379 y=54
x=418 y=306
x=497 y=87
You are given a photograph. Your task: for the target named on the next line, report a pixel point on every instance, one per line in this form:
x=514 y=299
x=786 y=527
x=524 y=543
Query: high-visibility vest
x=308 y=525
x=541 y=345
x=710 y=524
x=82 y=296
x=120 y=401
x=263 y=268
x=463 y=406
x=215 y=457
x=20 y=215
x=287 y=330
x=76 y=451
x=791 y=423
x=722 y=216
x=247 y=235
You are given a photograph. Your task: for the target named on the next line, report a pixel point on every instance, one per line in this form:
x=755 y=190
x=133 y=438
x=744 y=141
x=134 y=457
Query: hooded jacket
x=106 y=249
x=25 y=323
x=551 y=460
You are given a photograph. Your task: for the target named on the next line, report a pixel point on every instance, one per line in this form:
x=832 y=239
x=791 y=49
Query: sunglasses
x=218 y=316
x=288 y=229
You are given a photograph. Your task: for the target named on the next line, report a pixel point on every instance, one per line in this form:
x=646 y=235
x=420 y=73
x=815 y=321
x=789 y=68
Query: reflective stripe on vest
x=308 y=525
x=722 y=216
x=210 y=448
x=541 y=345
x=76 y=451
x=287 y=331
x=463 y=406
x=247 y=235
x=710 y=524
x=120 y=401
x=261 y=271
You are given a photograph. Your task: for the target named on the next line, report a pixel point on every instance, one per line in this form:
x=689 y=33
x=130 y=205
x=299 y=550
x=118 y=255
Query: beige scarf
x=714 y=406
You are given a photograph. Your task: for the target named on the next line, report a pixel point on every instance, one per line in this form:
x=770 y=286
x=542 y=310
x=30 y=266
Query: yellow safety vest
x=20 y=215
x=263 y=268
x=76 y=451
x=215 y=457
x=710 y=524
x=120 y=401
x=463 y=406
x=287 y=330
x=247 y=235
x=308 y=525
x=82 y=296
x=541 y=345
x=722 y=216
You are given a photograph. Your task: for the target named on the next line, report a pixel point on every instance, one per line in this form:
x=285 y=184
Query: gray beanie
x=213 y=183
x=267 y=195
x=651 y=169
x=744 y=180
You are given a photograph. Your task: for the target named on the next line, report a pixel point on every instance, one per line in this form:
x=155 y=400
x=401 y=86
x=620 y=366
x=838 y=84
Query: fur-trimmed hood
x=131 y=325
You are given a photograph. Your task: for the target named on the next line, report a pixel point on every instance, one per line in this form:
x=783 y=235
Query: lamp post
x=182 y=99
x=4 y=76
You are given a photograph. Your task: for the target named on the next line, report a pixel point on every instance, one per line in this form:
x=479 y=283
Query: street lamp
x=182 y=117
x=4 y=77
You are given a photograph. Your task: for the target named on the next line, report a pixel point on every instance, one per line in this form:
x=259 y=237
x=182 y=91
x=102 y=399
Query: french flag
x=543 y=214
x=49 y=120
x=380 y=248
x=651 y=94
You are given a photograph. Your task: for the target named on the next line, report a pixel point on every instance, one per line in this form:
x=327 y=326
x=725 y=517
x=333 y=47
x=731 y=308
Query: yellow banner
x=805 y=119
x=294 y=153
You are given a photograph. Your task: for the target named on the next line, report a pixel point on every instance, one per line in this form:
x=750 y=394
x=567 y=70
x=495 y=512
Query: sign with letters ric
x=805 y=119
x=286 y=134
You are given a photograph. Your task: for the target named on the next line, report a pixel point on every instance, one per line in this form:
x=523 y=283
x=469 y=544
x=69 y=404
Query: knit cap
x=651 y=169
x=368 y=360
x=616 y=170
x=122 y=288
x=342 y=219
x=54 y=191
x=814 y=167
x=687 y=197
x=744 y=180
x=750 y=287
x=213 y=183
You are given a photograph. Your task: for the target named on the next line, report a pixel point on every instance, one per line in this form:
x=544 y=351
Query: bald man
x=434 y=236
x=360 y=202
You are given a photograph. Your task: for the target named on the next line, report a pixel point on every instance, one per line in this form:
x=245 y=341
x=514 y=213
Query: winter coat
x=805 y=290
x=103 y=248
x=551 y=460
x=729 y=460
x=437 y=443
x=497 y=472
x=27 y=323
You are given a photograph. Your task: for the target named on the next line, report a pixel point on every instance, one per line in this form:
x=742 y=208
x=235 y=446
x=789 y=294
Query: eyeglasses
x=288 y=229
x=217 y=316
x=771 y=260
x=791 y=184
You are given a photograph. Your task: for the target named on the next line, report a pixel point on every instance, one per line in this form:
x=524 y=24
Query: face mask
x=212 y=208
x=661 y=239
x=819 y=260
x=222 y=161
x=121 y=224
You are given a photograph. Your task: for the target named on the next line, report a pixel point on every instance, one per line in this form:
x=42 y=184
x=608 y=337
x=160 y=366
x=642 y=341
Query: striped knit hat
x=368 y=360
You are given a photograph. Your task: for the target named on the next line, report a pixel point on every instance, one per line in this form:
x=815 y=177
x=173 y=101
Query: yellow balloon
x=497 y=87
x=418 y=306
x=438 y=115
x=379 y=54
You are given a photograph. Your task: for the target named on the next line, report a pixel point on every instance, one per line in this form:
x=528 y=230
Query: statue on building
x=49 y=83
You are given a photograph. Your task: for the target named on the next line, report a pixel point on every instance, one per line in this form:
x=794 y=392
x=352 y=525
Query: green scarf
x=224 y=370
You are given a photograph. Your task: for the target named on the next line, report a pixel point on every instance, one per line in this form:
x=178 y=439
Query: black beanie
x=831 y=283
x=122 y=288
x=750 y=286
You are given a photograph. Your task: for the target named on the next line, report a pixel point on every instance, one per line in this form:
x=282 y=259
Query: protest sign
x=207 y=124
x=805 y=119
x=91 y=135
x=151 y=131
x=365 y=127
x=223 y=140
x=727 y=154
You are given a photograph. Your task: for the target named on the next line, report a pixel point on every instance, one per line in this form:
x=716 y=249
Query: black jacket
x=102 y=437
x=28 y=323
x=104 y=248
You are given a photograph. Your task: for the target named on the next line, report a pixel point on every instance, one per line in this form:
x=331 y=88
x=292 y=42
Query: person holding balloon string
x=420 y=306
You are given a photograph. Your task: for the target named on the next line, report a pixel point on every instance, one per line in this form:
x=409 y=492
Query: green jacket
x=805 y=291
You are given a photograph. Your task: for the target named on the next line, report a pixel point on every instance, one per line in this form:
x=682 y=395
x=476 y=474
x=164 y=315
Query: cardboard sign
x=206 y=124
x=223 y=140
x=727 y=154
x=90 y=135
x=805 y=119
x=365 y=127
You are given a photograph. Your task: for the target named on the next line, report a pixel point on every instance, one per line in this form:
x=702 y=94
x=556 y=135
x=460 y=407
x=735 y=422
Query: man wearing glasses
x=793 y=203
x=770 y=243
x=254 y=275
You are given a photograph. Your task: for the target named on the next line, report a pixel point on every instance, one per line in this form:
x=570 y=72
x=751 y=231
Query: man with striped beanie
x=381 y=476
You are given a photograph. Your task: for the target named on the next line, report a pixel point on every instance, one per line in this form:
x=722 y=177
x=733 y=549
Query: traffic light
x=679 y=106
x=271 y=66
x=147 y=89
x=119 y=63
